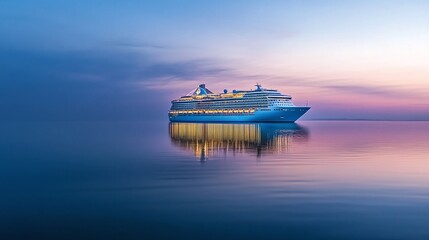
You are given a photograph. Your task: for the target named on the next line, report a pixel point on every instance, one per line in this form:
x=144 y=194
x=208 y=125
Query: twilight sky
x=125 y=60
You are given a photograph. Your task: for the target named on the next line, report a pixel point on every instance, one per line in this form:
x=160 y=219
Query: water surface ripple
x=159 y=180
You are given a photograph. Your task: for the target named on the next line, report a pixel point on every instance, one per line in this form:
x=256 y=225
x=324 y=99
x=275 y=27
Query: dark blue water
x=152 y=180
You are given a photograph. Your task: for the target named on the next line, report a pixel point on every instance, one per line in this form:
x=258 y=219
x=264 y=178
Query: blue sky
x=111 y=60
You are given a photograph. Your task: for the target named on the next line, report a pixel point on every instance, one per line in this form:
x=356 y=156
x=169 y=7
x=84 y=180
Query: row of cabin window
x=222 y=105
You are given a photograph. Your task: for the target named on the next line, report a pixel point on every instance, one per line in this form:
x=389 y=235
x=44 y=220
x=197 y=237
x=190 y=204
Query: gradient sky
x=125 y=60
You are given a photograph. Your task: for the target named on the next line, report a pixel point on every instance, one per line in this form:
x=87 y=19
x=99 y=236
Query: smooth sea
x=160 y=180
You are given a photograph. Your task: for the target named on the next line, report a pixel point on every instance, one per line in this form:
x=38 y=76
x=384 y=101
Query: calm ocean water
x=155 y=180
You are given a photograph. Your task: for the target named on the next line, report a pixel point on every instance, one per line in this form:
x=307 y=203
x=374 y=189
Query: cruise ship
x=258 y=105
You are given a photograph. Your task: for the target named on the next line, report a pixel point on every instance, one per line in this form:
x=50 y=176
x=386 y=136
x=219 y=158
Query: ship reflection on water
x=206 y=139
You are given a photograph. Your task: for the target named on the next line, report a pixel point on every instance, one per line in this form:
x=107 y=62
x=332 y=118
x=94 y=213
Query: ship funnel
x=202 y=90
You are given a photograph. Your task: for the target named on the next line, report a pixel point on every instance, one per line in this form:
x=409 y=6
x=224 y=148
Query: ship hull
x=289 y=114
